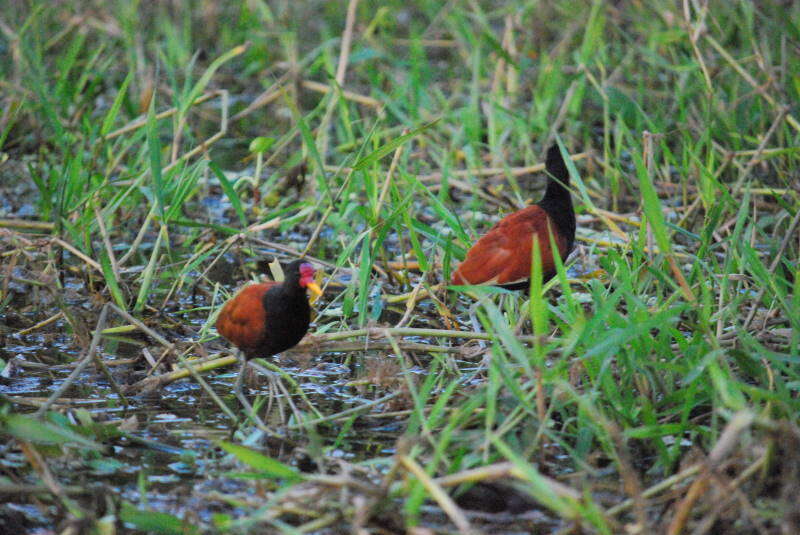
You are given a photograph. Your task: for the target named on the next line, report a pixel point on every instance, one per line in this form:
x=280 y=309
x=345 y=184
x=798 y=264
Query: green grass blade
x=154 y=148
x=267 y=466
x=383 y=150
x=230 y=192
x=111 y=116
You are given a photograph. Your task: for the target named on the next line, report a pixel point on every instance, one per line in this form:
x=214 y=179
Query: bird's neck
x=557 y=202
x=290 y=303
x=291 y=290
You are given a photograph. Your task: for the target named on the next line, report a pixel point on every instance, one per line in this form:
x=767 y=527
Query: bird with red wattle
x=264 y=319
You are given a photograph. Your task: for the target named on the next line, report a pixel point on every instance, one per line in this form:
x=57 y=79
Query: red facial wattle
x=307 y=273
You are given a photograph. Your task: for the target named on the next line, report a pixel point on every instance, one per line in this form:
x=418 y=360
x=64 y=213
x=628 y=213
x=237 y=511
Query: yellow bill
x=315 y=289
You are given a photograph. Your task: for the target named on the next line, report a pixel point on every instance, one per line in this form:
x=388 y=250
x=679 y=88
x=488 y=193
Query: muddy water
x=169 y=459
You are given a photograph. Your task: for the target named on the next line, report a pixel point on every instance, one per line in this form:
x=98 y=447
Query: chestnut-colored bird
x=502 y=257
x=266 y=318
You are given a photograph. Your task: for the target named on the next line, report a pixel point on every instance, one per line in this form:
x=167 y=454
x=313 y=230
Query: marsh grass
x=651 y=385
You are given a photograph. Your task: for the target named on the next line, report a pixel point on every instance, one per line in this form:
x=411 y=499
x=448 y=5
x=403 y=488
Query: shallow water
x=170 y=460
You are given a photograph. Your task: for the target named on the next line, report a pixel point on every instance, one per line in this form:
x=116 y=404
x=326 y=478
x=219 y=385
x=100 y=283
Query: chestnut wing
x=503 y=255
x=242 y=318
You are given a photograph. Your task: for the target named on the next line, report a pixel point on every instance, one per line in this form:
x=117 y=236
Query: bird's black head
x=301 y=273
x=556 y=167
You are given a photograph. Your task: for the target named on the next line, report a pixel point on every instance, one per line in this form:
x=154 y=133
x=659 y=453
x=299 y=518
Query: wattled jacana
x=266 y=318
x=502 y=257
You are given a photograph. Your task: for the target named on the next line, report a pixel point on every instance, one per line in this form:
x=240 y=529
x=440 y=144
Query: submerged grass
x=652 y=385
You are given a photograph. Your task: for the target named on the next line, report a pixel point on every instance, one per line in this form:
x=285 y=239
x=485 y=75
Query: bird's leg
x=237 y=386
x=503 y=304
x=476 y=324
x=237 y=390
